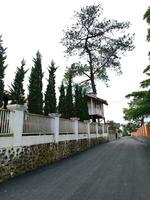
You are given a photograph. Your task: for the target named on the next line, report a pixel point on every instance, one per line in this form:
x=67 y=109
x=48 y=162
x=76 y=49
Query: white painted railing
x=5 y=121
x=92 y=127
x=100 y=129
x=37 y=124
x=65 y=126
x=105 y=129
x=82 y=127
x=30 y=129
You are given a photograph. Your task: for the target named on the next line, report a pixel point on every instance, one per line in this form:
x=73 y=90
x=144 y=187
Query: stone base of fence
x=15 y=160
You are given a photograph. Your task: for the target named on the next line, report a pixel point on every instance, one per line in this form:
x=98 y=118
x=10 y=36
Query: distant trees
x=35 y=97
x=130 y=127
x=50 y=94
x=98 y=43
x=137 y=111
x=2 y=69
x=17 y=91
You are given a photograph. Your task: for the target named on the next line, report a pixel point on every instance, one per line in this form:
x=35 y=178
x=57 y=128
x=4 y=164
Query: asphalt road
x=119 y=170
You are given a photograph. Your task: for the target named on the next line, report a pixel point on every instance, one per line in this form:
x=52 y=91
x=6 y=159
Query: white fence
x=29 y=129
x=5 y=121
x=93 y=127
x=82 y=127
x=65 y=126
x=100 y=129
x=37 y=124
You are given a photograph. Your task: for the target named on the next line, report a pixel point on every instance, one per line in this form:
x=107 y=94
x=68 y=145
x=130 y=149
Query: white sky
x=31 y=25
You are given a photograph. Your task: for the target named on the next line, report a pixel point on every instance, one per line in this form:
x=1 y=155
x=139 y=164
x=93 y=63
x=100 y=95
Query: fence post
x=103 y=131
x=107 y=129
x=56 y=117
x=88 y=128
x=96 y=127
x=16 y=122
x=75 y=127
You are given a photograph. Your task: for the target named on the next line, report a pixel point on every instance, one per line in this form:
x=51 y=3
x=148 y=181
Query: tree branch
x=85 y=81
x=106 y=60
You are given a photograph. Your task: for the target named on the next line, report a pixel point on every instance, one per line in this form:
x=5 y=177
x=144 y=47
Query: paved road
x=119 y=170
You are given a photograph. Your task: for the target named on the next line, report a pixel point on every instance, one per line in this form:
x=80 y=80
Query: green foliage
x=99 y=43
x=85 y=107
x=35 y=97
x=146 y=83
x=139 y=106
x=78 y=101
x=2 y=69
x=50 y=95
x=130 y=127
x=113 y=127
x=69 y=98
x=16 y=89
x=147 y=18
x=62 y=101
x=81 y=109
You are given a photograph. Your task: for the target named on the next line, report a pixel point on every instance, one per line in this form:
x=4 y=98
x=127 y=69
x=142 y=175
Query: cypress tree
x=2 y=69
x=62 y=101
x=81 y=108
x=77 y=101
x=69 y=98
x=16 y=89
x=35 y=97
x=50 y=95
x=85 y=113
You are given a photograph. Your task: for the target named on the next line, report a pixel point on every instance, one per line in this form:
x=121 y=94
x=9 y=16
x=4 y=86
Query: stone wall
x=15 y=161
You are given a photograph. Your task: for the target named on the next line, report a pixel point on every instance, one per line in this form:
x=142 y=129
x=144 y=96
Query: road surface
x=119 y=170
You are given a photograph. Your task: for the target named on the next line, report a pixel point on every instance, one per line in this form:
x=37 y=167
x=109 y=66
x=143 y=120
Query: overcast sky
x=31 y=25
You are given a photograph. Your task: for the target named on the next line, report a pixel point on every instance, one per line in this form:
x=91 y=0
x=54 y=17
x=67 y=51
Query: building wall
x=95 y=109
x=142 y=131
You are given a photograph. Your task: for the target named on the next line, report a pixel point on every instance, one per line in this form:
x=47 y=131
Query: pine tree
x=2 y=69
x=16 y=89
x=35 y=97
x=62 y=101
x=69 y=98
x=50 y=95
x=101 y=42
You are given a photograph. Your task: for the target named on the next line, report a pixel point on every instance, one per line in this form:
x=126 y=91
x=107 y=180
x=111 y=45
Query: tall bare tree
x=100 y=43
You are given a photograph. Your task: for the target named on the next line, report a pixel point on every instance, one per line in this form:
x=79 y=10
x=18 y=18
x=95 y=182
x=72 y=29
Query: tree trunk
x=142 y=121
x=91 y=66
x=93 y=85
